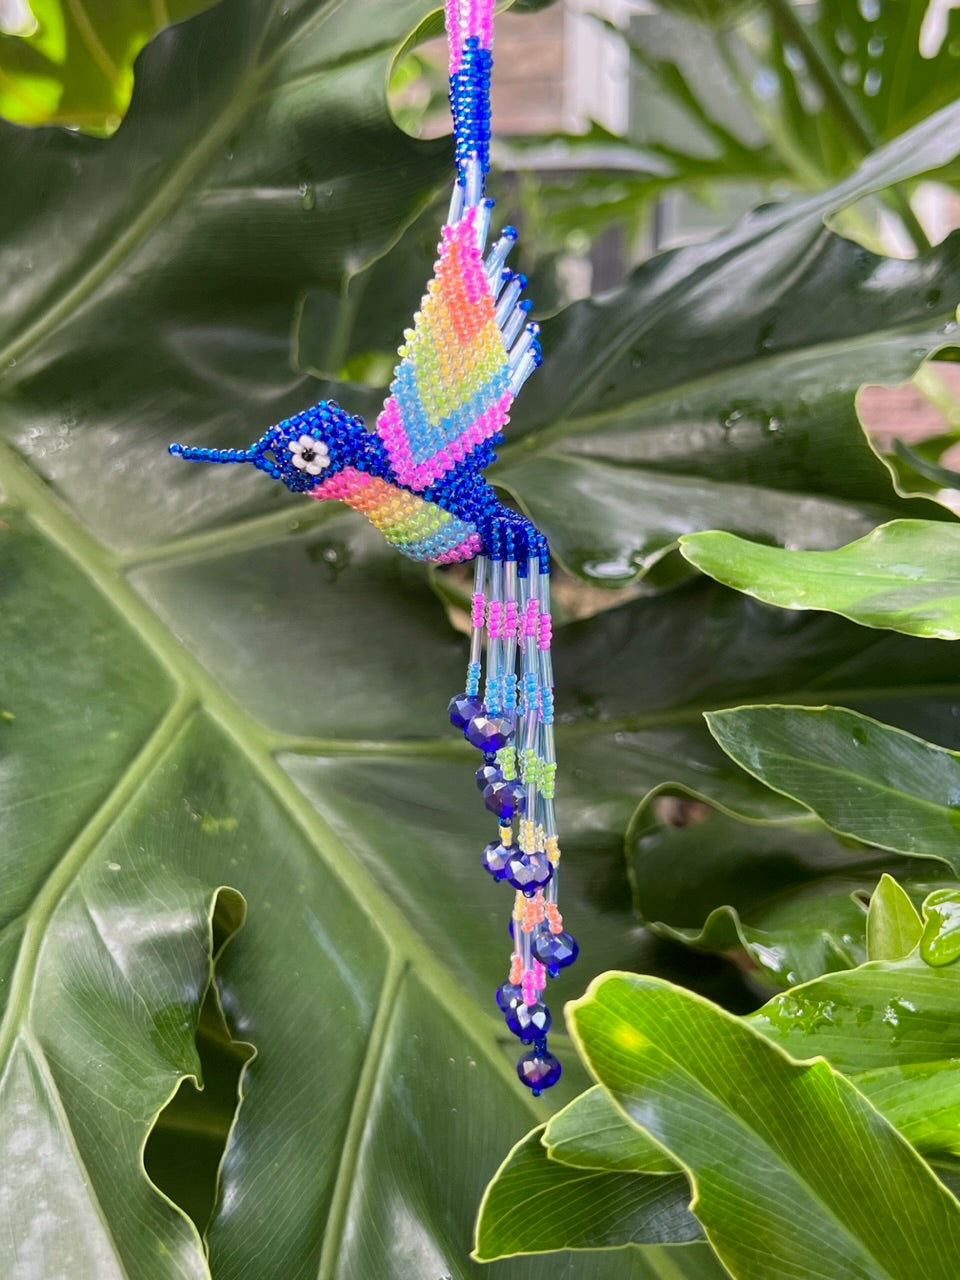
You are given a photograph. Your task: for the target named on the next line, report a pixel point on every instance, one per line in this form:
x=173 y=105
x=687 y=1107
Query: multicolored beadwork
x=418 y=478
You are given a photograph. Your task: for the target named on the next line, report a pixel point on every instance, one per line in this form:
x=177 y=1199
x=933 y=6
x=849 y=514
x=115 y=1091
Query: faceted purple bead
x=496 y=857
x=529 y=872
x=462 y=708
x=538 y=1070
x=528 y=1021
x=488 y=733
x=487 y=774
x=505 y=798
x=555 y=950
x=508 y=995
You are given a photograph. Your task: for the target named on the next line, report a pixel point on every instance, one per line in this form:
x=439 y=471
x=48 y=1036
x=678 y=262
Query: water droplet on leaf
x=850 y=71
x=793 y=57
x=766 y=83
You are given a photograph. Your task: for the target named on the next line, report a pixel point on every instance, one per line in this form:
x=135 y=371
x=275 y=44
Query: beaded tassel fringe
x=513 y=726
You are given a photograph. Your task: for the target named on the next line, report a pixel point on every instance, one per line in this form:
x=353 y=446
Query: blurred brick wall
x=528 y=82
x=904 y=412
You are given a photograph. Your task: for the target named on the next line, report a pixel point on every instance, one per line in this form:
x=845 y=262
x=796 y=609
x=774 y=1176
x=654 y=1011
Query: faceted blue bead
x=555 y=950
x=495 y=859
x=528 y=1021
x=505 y=798
x=463 y=707
x=538 y=1070
x=508 y=995
x=529 y=872
x=488 y=733
x=488 y=773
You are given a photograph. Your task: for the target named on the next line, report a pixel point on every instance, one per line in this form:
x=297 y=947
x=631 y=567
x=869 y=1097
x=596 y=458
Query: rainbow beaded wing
x=464 y=360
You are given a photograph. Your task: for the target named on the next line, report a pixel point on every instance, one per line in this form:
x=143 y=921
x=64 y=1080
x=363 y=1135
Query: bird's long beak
x=192 y=454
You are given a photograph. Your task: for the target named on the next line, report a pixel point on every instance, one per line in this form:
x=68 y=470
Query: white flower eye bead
x=309 y=455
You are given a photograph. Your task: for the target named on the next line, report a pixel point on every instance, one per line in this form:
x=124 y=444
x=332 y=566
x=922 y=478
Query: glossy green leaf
x=87 y=1058
x=792 y=1168
x=72 y=63
x=899 y=576
x=893 y=925
x=891 y=1028
x=591 y=1133
x=793 y=898
x=940 y=942
x=862 y=778
x=535 y=1205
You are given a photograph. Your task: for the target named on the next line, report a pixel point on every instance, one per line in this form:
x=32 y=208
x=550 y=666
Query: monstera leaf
x=240 y=842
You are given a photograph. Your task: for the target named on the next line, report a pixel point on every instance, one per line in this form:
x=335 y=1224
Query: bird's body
x=418 y=477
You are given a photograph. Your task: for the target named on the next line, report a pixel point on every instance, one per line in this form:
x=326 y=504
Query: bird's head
x=302 y=451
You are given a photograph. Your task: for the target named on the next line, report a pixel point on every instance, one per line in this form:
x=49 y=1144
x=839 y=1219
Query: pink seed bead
x=529 y=622
x=546 y=632
x=477 y=615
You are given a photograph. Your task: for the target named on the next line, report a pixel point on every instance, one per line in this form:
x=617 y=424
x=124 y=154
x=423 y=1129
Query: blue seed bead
x=555 y=950
x=538 y=1070
x=495 y=859
x=505 y=798
x=529 y=872
x=463 y=707
x=488 y=733
x=508 y=995
x=487 y=774
x=528 y=1021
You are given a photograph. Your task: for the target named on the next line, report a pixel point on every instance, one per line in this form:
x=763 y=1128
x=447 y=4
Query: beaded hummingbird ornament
x=418 y=477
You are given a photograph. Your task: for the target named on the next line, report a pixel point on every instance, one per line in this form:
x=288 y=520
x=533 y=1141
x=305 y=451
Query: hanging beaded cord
x=418 y=478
